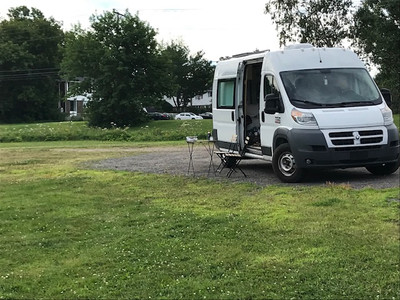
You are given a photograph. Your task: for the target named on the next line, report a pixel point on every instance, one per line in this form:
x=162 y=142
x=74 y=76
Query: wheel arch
x=281 y=136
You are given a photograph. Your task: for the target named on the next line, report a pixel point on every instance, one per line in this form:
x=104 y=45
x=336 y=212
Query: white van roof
x=228 y=68
x=298 y=57
x=311 y=58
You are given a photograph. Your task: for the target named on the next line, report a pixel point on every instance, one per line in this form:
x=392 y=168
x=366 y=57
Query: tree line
x=118 y=62
x=123 y=67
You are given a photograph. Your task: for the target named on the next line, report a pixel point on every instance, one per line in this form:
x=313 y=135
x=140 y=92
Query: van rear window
x=226 y=94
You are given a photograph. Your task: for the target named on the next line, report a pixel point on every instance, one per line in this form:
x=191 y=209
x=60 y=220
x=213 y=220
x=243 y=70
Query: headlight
x=387 y=115
x=303 y=118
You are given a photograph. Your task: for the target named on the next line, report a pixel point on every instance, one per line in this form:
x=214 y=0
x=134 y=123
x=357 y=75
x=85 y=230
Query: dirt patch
x=175 y=161
x=116 y=149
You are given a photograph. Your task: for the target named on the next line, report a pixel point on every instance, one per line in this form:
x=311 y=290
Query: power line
x=28 y=76
x=30 y=70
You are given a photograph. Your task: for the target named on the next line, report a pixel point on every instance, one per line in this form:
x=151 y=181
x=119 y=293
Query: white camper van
x=302 y=108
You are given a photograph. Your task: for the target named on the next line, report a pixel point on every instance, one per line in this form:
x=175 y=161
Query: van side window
x=272 y=104
x=270 y=85
x=226 y=94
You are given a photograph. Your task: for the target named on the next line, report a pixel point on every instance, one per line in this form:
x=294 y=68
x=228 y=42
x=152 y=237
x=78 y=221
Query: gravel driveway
x=175 y=160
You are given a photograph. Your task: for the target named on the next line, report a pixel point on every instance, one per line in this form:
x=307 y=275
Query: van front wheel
x=284 y=164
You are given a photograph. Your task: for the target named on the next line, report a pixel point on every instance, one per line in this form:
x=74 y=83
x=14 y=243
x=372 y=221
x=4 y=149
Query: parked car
x=206 y=115
x=158 y=116
x=187 y=116
x=170 y=116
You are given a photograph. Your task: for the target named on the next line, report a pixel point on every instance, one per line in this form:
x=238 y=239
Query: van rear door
x=239 y=110
x=224 y=120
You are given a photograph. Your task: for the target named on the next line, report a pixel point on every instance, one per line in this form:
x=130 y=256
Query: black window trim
x=274 y=82
x=234 y=93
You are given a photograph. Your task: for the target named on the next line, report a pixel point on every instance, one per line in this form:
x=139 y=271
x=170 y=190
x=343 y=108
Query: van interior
x=251 y=103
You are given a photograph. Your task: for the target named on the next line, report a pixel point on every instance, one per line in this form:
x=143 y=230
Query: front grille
x=372 y=140
x=370 y=132
x=343 y=149
x=341 y=134
x=342 y=142
x=355 y=138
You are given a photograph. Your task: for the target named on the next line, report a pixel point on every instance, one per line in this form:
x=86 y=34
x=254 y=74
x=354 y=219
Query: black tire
x=384 y=169
x=284 y=165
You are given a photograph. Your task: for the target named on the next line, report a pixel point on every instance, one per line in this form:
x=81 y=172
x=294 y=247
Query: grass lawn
x=69 y=232
x=170 y=130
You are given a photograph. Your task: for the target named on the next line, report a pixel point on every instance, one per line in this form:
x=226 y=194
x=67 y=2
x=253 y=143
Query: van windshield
x=330 y=88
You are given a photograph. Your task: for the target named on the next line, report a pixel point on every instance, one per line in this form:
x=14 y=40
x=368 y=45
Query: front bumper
x=310 y=149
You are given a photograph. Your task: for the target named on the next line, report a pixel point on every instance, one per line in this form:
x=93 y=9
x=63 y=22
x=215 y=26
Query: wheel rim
x=287 y=164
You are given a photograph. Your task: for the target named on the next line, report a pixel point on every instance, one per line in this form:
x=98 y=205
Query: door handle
x=233 y=116
x=263 y=117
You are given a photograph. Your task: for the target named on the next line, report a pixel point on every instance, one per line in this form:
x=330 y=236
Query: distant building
x=72 y=106
x=201 y=101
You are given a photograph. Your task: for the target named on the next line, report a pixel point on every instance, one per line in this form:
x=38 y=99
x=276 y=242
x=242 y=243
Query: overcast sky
x=218 y=27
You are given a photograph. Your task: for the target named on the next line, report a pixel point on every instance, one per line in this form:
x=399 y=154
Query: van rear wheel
x=284 y=165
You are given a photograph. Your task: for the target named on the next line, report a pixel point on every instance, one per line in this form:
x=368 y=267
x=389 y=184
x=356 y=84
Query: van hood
x=348 y=117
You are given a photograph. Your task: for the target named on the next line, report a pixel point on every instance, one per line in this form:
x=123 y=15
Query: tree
x=122 y=67
x=373 y=29
x=377 y=30
x=29 y=65
x=188 y=75
x=318 y=22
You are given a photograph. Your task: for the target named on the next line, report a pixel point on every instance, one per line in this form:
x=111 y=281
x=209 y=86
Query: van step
x=254 y=150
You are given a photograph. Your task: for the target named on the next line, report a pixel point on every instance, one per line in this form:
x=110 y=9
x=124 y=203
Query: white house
x=73 y=106
x=200 y=101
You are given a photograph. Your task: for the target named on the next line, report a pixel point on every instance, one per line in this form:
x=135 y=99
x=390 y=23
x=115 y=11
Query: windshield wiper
x=355 y=103
x=308 y=102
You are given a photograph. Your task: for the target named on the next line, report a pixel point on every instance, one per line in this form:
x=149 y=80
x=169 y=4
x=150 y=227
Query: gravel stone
x=175 y=161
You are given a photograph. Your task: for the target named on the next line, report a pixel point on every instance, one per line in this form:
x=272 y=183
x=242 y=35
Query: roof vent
x=299 y=46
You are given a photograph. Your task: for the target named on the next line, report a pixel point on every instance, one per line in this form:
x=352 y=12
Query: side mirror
x=273 y=104
x=387 y=96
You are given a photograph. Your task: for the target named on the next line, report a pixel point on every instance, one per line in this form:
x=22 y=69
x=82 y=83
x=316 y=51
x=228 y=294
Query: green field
x=69 y=232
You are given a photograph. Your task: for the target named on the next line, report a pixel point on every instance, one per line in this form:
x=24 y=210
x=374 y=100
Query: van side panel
x=223 y=123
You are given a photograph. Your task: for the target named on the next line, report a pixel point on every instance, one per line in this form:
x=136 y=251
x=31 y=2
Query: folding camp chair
x=221 y=154
x=232 y=160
